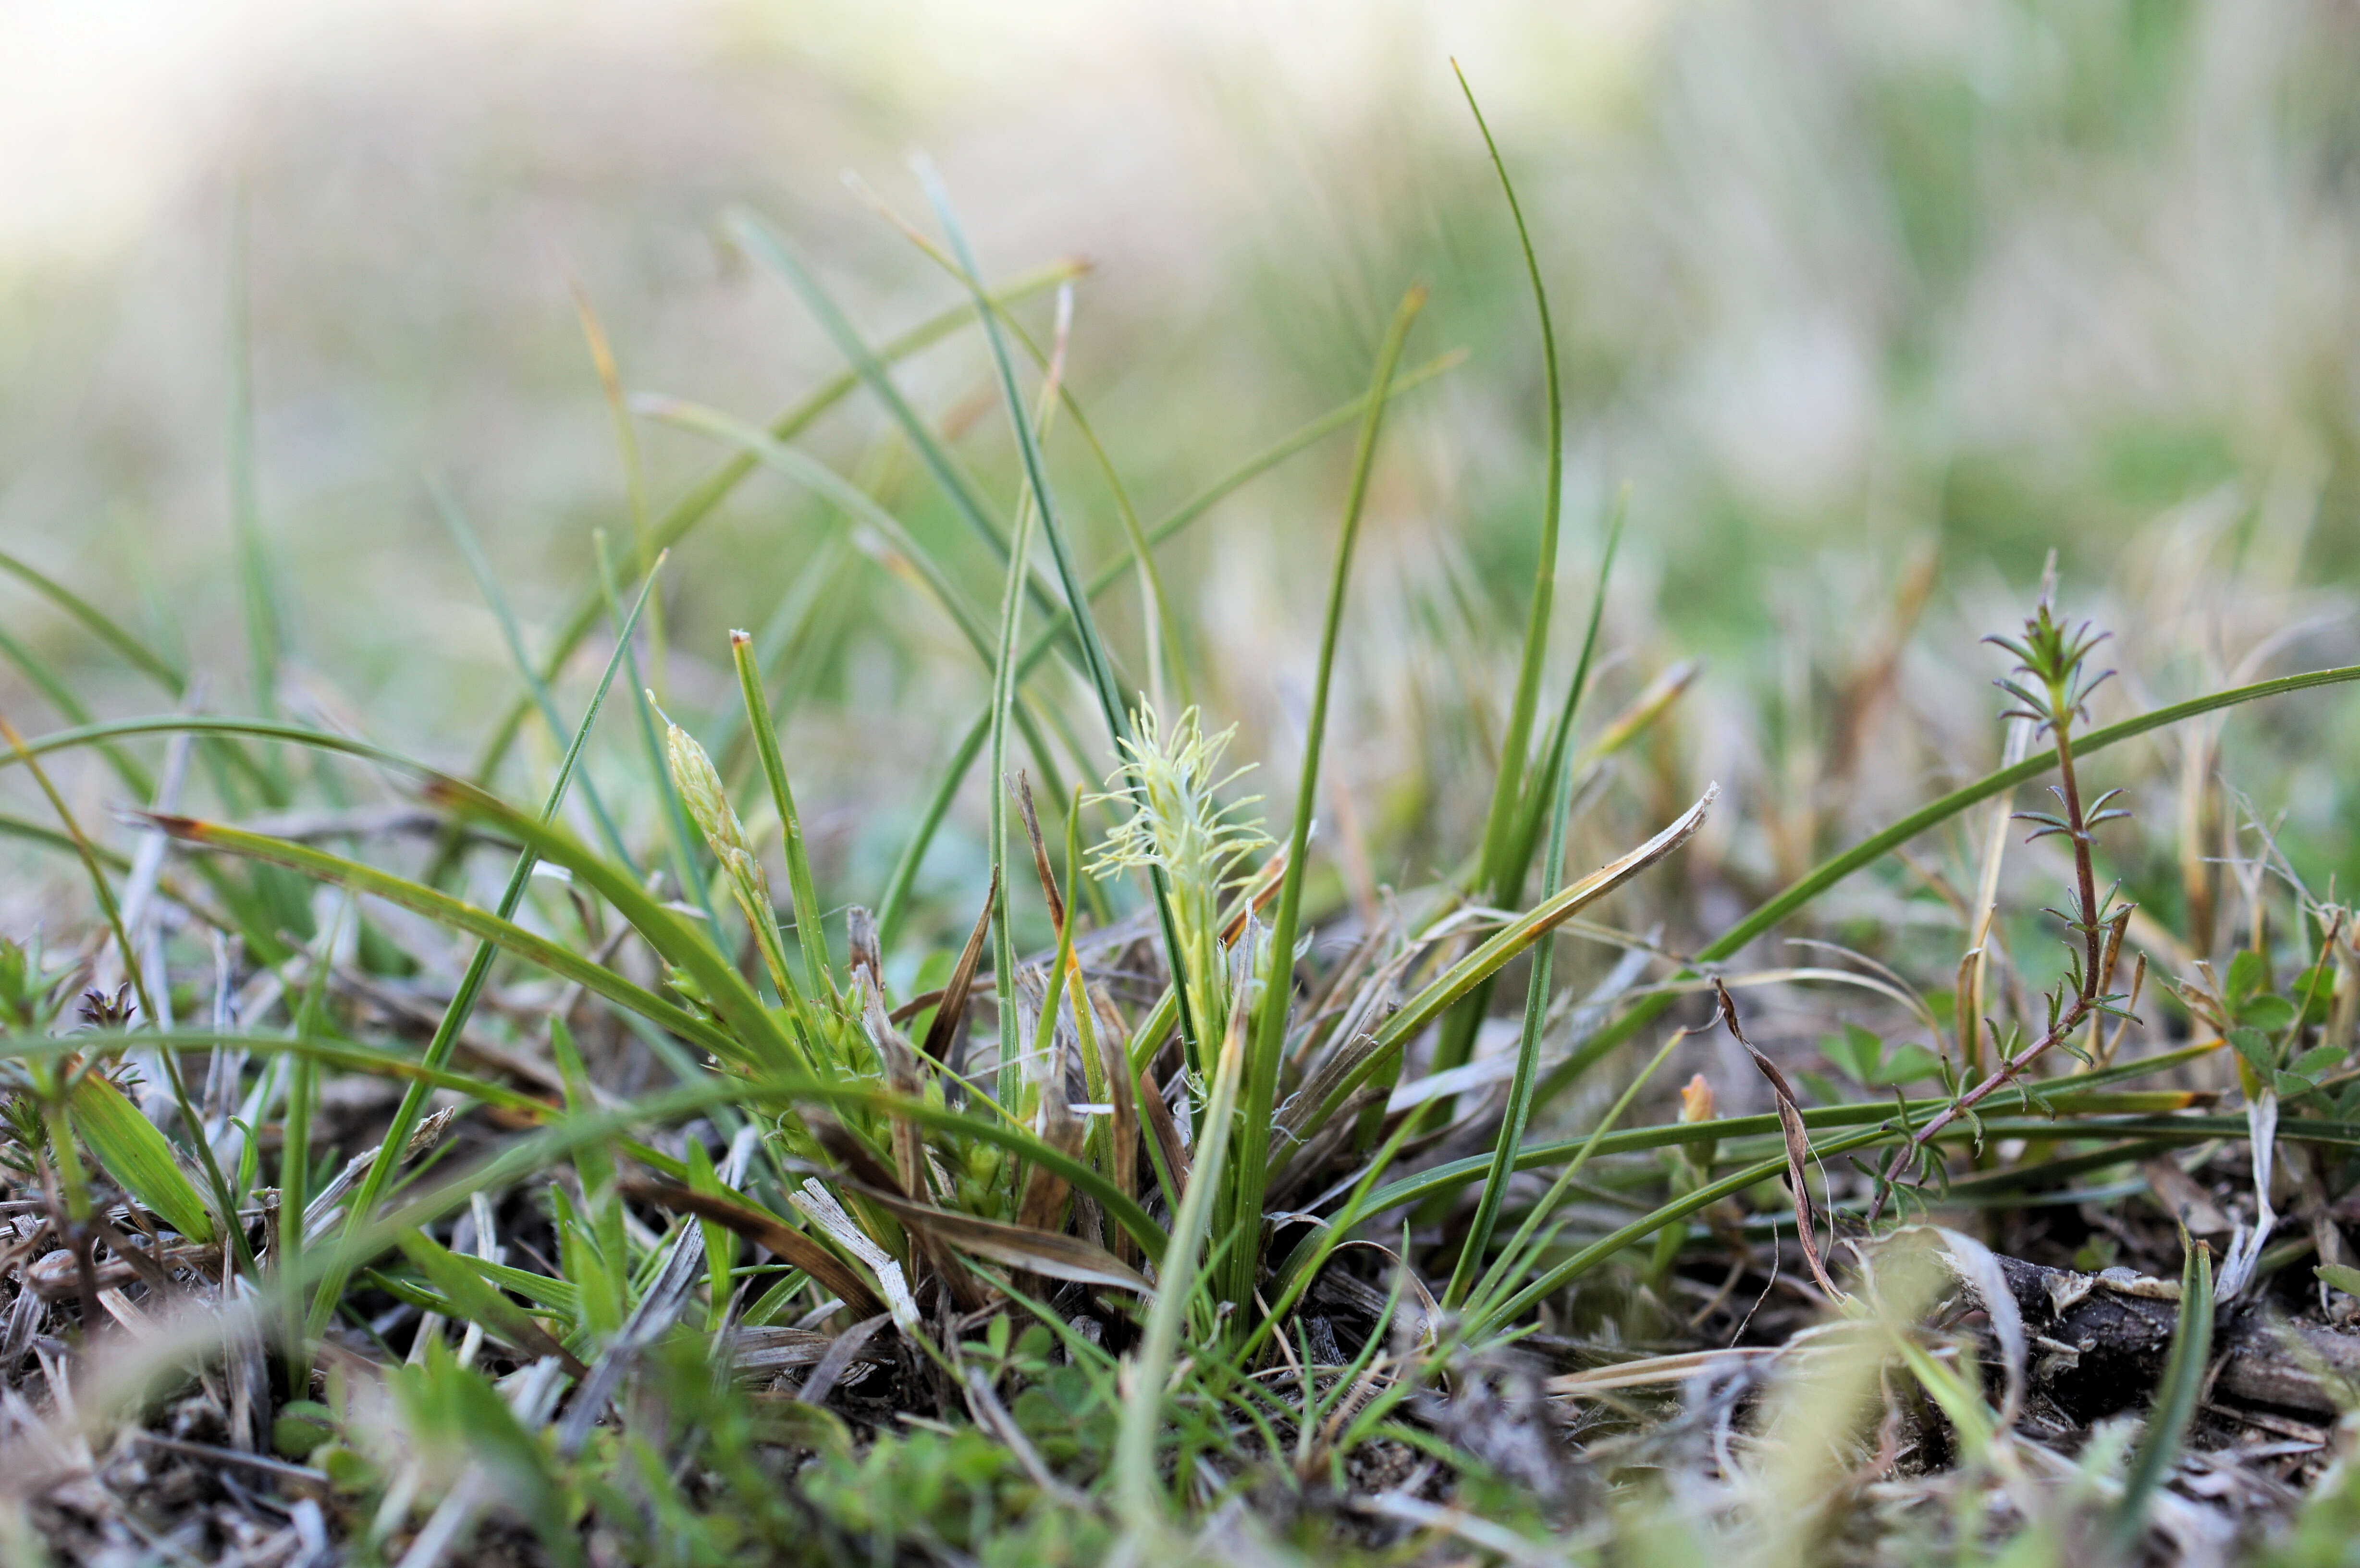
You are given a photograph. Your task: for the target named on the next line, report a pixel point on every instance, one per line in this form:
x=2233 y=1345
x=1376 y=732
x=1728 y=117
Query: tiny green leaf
x=2249 y=972
x=135 y=1152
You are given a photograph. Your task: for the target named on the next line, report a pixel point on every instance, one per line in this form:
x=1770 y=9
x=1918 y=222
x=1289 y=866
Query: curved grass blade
x=1503 y=874
x=1251 y=1177
x=476 y=1300
x=849 y=498
x=766 y=1229
x=1874 y=847
x=2176 y=1397
x=55 y=838
x=1053 y=1253
x=535 y=1151
x=767 y=246
x=808 y=935
x=358 y=877
x=1135 y=1470
x=1098 y=664
x=135 y=1152
x=1488 y=959
x=249 y=729
x=1155 y=603
x=1554 y=1279
x=342 y=1055
x=1440 y=1179
x=1509 y=792
x=1477 y=1242
x=51 y=685
x=471 y=551
x=704 y=496
x=130 y=1146
x=136 y=654
x=462 y=1006
x=758 y=1037
x=893 y=906
x=1560 y=740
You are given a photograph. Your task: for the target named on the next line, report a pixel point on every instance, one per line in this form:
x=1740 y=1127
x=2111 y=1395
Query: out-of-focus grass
x=1870 y=308
x=1836 y=286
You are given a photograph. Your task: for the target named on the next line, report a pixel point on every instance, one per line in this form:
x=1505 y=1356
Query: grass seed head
x=1172 y=781
x=701 y=790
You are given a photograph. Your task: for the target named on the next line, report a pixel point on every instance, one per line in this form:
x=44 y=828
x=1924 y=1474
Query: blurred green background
x=1871 y=305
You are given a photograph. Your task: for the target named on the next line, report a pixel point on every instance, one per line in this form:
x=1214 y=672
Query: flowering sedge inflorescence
x=707 y=801
x=1178 y=824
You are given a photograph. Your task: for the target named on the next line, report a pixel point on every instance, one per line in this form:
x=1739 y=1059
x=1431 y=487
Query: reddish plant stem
x=2085 y=874
x=2097 y=967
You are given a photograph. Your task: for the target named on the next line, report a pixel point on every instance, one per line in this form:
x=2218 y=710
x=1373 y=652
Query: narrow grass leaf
x=703 y=498
x=2177 y=1396
x=1029 y=1248
x=135 y=1152
x=1252 y=1176
x=136 y=654
x=1874 y=847
x=808 y=935
x=476 y=1300
x=358 y=877
x=1488 y=959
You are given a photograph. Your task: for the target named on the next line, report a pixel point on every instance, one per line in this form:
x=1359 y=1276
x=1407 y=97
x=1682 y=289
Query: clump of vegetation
x=700 y=1229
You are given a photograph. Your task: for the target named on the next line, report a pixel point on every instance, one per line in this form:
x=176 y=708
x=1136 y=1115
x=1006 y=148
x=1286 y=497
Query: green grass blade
x=1528 y=1049
x=248 y=729
x=895 y=903
x=1096 y=663
x=808 y=935
x=1445 y=991
x=103 y=890
x=135 y=1152
x=687 y=847
x=1505 y=879
x=837 y=491
x=2176 y=1399
x=769 y=247
x=1304 y=436
x=758 y=1035
x=58 y=839
x=1156 y=605
x=1439 y=1178
x=1252 y=1176
x=471 y=549
x=1003 y=703
x=71 y=707
x=1559 y=748
x=891 y=908
x=358 y=877
x=851 y=499
x=1548 y=1283
x=1874 y=847
x=534 y=1151
x=1136 y=1473
x=462 y=1006
x=813 y=608
x=1502 y=870
x=136 y=654
x=341 y=1055
x=265 y=633
x=295 y=1157
x=703 y=498
x=476 y=1300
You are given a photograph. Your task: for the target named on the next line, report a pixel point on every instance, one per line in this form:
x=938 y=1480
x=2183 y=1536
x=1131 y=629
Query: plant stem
x=2098 y=960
